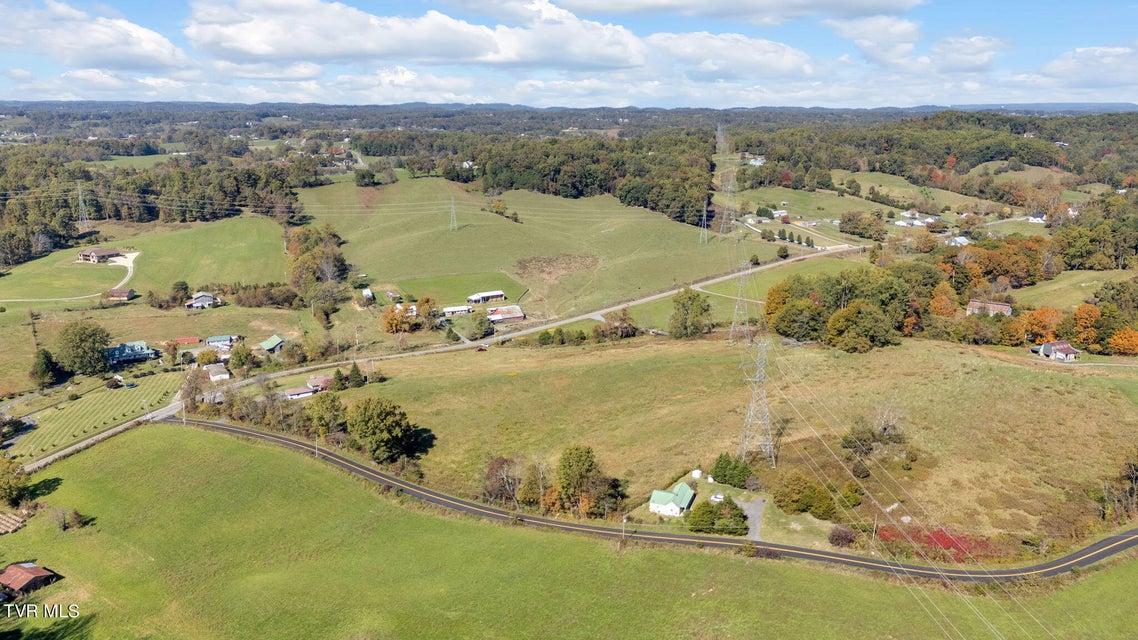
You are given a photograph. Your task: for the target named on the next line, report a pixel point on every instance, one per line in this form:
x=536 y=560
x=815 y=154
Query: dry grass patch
x=1002 y=438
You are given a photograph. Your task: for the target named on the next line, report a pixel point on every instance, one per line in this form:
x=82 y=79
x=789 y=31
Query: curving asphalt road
x=1096 y=552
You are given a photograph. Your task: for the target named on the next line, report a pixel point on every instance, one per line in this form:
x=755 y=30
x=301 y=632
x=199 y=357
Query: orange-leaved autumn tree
x=777 y=297
x=1086 y=315
x=943 y=302
x=1040 y=325
x=1124 y=342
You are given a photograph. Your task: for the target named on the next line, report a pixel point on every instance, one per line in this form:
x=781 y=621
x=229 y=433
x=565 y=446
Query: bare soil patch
x=552 y=269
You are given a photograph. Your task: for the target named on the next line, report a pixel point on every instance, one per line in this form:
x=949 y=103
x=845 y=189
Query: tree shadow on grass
x=420 y=441
x=43 y=488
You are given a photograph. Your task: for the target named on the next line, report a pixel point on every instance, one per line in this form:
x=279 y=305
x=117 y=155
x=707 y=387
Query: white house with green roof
x=672 y=503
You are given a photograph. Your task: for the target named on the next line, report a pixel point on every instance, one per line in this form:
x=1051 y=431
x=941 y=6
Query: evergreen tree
x=44 y=369
x=356 y=377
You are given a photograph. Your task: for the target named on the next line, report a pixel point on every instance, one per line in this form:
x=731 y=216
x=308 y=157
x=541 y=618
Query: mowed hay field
x=1002 y=435
x=200 y=536
x=572 y=255
x=247 y=249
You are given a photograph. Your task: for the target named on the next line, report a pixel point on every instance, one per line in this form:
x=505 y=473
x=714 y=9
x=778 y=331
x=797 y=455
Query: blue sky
x=577 y=53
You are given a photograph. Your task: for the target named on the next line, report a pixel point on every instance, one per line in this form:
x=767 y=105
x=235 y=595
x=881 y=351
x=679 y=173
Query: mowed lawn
x=200 y=536
x=58 y=275
x=245 y=249
x=1070 y=288
x=74 y=420
x=572 y=255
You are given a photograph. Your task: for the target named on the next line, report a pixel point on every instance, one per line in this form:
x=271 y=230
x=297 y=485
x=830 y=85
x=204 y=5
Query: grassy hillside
x=1029 y=174
x=902 y=189
x=217 y=538
x=571 y=254
x=1069 y=289
x=655 y=407
x=990 y=462
x=58 y=275
x=246 y=249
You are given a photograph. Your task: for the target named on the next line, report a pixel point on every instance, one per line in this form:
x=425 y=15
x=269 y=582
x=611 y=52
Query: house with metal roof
x=672 y=503
x=136 y=351
x=273 y=344
x=203 y=300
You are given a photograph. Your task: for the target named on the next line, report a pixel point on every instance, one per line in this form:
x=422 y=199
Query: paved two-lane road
x=1096 y=552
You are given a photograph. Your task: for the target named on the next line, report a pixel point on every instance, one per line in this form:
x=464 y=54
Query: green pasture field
x=572 y=255
x=1069 y=289
x=901 y=188
x=452 y=290
x=756 y=285
x=94 y=412
x=1076 y=197
x=245 y=249
x=135 y=162
x=1012 y=226
x=58 y=275
x=655 y=314
x=808 y=205
x=251 y=522
x=1029 y=175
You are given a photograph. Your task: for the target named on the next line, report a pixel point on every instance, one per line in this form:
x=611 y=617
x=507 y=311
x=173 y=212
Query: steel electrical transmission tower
x=453 y=218
x=703 y=227
x=740 y=326
x=756 y=432
x=84 y=221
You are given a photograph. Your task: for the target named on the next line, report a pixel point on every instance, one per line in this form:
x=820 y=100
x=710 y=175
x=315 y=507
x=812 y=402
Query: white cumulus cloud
x=77 y=39
x=884 y=40
x=977 y=53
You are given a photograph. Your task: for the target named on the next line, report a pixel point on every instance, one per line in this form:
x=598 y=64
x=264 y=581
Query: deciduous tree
x=13 y=481
x=81 y=345
x=326 y=413
x=385 y=432
x=691 y=314
x=1124 y=342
